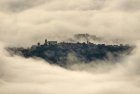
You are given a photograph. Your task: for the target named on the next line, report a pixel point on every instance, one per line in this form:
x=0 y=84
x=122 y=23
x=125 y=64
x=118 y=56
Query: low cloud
x=26 y=22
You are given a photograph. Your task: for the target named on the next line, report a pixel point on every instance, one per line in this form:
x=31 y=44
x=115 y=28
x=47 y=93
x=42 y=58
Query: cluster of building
x=68 y=45
x=47 y=43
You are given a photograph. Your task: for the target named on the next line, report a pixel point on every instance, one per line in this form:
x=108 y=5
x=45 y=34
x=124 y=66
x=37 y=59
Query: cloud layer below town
x=25 y=22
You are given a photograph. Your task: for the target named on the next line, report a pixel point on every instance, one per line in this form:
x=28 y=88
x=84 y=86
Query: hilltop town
x=64 y=52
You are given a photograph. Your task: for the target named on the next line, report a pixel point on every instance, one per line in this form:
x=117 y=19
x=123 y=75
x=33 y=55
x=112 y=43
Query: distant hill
x=97 y=39
x=61 y=53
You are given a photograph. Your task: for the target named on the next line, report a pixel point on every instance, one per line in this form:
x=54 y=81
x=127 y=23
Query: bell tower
x=46 y=42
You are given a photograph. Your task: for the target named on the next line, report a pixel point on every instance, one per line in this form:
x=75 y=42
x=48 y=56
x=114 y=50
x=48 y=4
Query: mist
x=26 y=22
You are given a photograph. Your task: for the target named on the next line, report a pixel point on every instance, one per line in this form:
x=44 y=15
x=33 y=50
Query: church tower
x=46 y=42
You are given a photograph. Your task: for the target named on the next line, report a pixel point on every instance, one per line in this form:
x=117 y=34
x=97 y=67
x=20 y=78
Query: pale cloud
x=25 y=22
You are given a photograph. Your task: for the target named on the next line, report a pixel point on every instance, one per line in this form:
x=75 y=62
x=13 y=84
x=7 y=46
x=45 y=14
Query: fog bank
x=26 y=22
